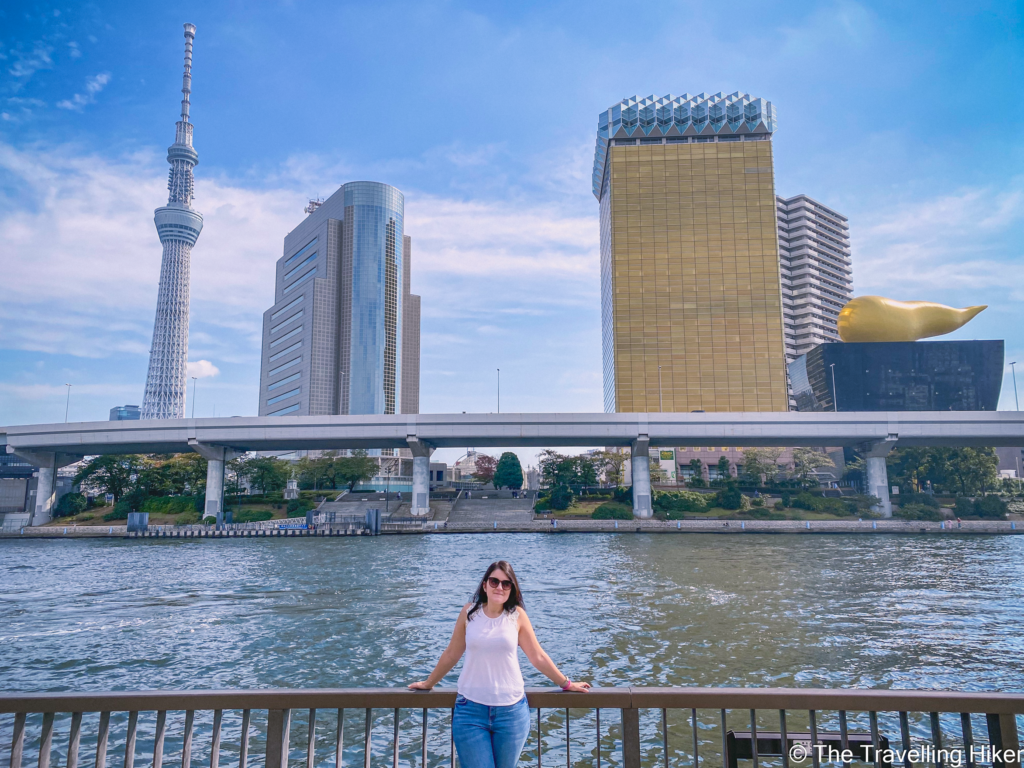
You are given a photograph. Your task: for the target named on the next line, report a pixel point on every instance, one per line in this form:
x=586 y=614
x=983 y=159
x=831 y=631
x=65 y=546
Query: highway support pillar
x=420 y=475
x=215 y=456
x=640 y=467
x=46 y=480
x=877 y=474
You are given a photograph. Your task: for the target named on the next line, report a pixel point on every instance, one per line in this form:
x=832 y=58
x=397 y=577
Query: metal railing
x=655 y=727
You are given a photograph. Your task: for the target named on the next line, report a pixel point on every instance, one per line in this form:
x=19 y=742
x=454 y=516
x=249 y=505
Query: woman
x=492 y=718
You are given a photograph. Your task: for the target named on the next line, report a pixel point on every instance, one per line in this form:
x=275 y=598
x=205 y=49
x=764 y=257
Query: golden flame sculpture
x=876 y=318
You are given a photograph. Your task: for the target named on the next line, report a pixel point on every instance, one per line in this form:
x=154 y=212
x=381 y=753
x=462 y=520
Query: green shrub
x=70 y=504
x=917 y=512
x=252 y=515
x=964 y=507
x=560 y=497
x=119 y=512
x=623 y=495
x=681 y=501
x=729 y=497
x=543 y=505
x=299 y=506
x=613 y=510
x=990 y=508
x=916 y=498
x=779 y=506
x=171 y=505
x=757 y=501
x=209 y=521
x=787 y=499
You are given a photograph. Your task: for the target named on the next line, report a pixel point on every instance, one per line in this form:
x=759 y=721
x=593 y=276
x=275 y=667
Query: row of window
x=299 y=267
x=290 y=334
x=285 y=396
x=283 y=323
x=300 y=280
x=303 y=250
x=284 y=309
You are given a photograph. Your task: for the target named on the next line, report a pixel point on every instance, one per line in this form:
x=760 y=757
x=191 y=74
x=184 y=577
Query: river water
x=626 y=609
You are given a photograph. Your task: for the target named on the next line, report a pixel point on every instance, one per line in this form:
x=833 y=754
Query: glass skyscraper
x=335 y=340
x=690 y=288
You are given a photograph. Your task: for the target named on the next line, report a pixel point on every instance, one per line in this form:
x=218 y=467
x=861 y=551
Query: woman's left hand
x=578 y=688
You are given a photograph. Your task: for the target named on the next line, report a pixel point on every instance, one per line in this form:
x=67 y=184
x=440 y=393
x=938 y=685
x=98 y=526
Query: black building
x=899 y=376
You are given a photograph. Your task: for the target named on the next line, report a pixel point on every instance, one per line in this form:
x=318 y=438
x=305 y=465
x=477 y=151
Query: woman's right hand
x=420 y=686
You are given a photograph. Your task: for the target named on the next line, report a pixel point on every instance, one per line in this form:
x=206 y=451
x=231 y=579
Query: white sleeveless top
x=490 y=672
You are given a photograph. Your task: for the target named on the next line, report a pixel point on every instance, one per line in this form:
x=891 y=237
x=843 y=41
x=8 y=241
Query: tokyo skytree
x=178 y=227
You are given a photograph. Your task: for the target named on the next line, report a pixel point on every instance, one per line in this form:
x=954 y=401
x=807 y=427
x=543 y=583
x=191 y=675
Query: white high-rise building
x=178 y=227
x=816 y=272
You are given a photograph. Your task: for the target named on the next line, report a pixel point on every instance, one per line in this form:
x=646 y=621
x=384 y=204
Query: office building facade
x=816 y=272
x=690 y=286
x=337 y=340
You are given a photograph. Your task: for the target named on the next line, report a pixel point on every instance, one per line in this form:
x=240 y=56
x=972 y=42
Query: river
x=626 y=609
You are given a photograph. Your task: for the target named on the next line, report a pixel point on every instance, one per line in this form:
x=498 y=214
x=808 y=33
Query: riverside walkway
x=738 y=527
x=713 y=726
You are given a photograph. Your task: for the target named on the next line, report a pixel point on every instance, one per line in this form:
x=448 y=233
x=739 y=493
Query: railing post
x=1002 y=735
x=18 y=740
x=278 y=727
x=630 y=738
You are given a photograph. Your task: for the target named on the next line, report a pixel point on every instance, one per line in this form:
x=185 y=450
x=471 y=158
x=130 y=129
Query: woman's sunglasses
x=494 y=583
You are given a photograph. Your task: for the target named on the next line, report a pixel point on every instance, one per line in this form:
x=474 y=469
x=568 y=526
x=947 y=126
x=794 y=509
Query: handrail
x=999 y=736
x=863 y=700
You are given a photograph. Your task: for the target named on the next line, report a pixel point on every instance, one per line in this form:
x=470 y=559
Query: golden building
x=691 y=297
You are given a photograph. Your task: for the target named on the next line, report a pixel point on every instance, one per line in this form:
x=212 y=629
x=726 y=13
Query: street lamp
x=67 y=405
x=1013 y=371
x=499 y=390
x=661 y=401
x=195 y=383
x=835 y=398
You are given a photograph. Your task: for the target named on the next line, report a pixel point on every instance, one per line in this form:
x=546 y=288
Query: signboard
x=668 y=455
x=293 y=527
x=109 y=498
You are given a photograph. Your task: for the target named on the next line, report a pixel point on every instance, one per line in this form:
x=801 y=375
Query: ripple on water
x=826 y=611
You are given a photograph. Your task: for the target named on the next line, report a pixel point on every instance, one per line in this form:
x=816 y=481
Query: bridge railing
x=653 y=727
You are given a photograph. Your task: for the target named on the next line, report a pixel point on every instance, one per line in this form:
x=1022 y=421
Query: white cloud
x=27 y=63
x=201 y=369
x=93 y=86
x=948 y=242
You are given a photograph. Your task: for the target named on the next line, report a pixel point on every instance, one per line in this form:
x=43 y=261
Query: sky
x=905 y=117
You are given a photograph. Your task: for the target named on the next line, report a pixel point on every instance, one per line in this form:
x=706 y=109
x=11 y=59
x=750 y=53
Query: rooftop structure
x=178 y=227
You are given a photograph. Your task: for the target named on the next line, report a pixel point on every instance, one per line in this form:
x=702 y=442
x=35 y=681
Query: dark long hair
x=515 y=598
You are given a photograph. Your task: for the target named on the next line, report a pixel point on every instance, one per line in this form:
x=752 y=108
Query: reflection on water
x=626 y=609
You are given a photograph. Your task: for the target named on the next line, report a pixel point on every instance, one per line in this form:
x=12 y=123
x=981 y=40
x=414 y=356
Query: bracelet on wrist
x=567 y=684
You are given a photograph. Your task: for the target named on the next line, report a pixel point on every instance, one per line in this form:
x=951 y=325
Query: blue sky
x=905 y=117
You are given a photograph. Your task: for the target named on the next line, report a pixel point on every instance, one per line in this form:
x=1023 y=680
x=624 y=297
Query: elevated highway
x=50 y=446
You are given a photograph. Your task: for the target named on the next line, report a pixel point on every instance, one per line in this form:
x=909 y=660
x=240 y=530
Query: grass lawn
x=584 y=509
x=94 y=516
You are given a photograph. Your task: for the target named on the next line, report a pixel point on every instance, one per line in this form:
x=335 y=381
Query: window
x=283 y=323
x=291 y=274
x=284 y=352
x=305 y=248
x=289 y=364
x=282 y=382
x=302 y=279
x=285 y=396
x=288 y=335
x=282 y=310
x=283 y=411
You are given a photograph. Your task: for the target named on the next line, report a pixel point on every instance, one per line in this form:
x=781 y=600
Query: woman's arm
x=450 y=657
x=531 y=647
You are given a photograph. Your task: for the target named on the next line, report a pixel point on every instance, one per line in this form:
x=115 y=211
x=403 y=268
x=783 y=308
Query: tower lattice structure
x=178 y=226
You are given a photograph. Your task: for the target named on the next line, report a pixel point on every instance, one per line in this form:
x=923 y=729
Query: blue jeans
x=490 y=737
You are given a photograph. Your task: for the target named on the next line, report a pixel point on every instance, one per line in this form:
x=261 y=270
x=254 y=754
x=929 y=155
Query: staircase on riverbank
x=491 y=507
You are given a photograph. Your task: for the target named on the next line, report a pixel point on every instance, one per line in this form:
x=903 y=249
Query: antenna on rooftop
x=313 y=205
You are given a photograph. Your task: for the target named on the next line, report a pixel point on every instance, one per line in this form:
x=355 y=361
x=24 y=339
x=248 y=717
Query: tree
x=509 y=472
x=971 y=470
x=723 y=468
x=183 y=473
x=355 y=468
x=486 y=466
x=762 y=464
x=697 y=477
x=965 y=471
x=70 y=504
x=320 y=472
x=557 y=469
x=266 y=473
x=114 y=474
x=610 y=464
x=658 y=475
x=806 y=460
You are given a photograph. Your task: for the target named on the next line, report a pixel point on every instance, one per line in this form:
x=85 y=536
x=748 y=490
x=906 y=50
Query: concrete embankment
x=984 y=527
